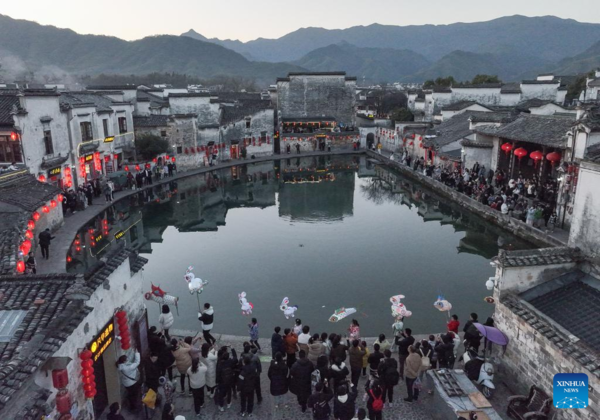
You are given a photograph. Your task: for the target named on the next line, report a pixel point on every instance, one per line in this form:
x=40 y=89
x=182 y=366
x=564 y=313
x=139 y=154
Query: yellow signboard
x=119 y=234
x=101 y=342
x=55 y=171
x=109 y=139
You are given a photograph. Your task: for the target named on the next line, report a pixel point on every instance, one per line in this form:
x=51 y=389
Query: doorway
x=370 y=141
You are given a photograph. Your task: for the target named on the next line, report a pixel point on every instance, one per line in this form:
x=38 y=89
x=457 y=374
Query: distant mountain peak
x=193 y=34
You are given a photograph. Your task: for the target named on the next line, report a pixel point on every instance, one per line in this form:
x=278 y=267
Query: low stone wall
x=514 y=226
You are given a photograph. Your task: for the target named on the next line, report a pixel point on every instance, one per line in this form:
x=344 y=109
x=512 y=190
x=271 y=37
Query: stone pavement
x=64 y=236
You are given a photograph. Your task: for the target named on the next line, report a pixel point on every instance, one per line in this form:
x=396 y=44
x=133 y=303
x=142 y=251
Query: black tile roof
x=493 y=117
x=453 y=129
x=574 y=304
x=540 y=82
x=231 y=114
x=317 y=73
x=592 y=153
x=69 y=100
x=510 y=88
x=595 y=82
x=26 y=192
x=8 y=105
x=111 y=87
x=579 y=351
x=151 y=121
x=479 y=86
x=542 y=256
x=457 y=106
x=545 y=130
x=190 y=95
x=442 y=89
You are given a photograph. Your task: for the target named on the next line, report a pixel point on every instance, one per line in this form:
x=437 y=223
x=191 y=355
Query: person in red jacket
x=453 y=324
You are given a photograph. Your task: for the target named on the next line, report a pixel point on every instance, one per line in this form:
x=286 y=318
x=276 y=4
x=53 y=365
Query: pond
x=327 y=232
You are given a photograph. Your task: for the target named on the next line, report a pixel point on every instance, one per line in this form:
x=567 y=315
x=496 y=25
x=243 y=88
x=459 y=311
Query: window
x=163 y=133
x=179 y=149
x=105 y=126
x=122 y=125
x=48 y=142
x=248 y=122
x=10 y=150
x=86 y=131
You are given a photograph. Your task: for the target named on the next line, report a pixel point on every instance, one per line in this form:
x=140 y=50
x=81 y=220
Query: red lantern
x=137 y=167
x=121 y=314
x=507 y=147
x=412 y=143
x=198 y=149
x=126 y=168
x=36 y=216
x=60 y=197
x=553 y=157
x=115 y=156
x=31 y=225
x=20 y=267
x=60 y=378
x=87 y=363
x=63 y=402
x=520 y=153
x=46 y=209
x=29 y=234
x=14 y=136
x=536 y=156
x=69 y=258
x=154 y=160
x=173 y=159
x=26 y=246
x=42 y=178
x=53 y=203
x=186 y=151
x=82 y=160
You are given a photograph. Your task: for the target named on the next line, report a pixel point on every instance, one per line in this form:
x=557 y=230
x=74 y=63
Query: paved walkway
x=559 y=234
x=63 y=237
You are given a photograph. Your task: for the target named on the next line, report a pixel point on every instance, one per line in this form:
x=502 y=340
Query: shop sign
x=119 y=235
x=89 y=157
x=109 y=139
x=101 y=342
x=55 y=171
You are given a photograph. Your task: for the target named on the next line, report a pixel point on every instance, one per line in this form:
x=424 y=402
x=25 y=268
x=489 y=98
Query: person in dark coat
x=344 y=403
x=277 y=345
x=338 y=350
x=472 y=336
x=323 y=368
x=338 y=373
x=319 y=402
x=225 y=377
x=444 y=349
x=44 y=239
x=152 y=371
x=300 y=379
x=375 y=392
x=374 y=359
x=404 y=342
x=385 y=372
x=279 y=376
x=246 y=384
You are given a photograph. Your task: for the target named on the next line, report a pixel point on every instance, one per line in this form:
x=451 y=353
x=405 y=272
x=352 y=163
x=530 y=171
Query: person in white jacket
x=207 y=318
x=197 y=375
x=209 y=357
x=165 y=319
x=130 y=378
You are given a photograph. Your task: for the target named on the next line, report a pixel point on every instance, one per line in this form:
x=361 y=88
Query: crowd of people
x=523 y=198
x=322 y=370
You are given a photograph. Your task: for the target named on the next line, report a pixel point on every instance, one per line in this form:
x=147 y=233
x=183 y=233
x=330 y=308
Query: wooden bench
x=534 y=406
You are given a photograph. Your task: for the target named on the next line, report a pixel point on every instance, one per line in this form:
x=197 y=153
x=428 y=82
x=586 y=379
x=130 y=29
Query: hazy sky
x=246 y=20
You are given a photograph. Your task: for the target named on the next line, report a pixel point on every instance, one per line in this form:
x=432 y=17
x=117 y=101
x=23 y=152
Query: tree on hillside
x=578 y=85
x=440 y=81
x=485 y=78
x=148 y=146
x=402 y=114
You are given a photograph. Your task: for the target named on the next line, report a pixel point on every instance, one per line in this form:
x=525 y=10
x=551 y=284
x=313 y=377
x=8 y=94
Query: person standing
x=356 y=354
x=278 y=375
x=209 y=358
x=354 y=330
x=183 y=360
x=375 y=402
x=107 y=193
x=168 y=412
x=207 y=317
x=338 y=373
x=303 y=339
x=246 y=383
x=290 y=341
x=277 y=345
x=300 y=379
x=197 y=375
x=115 y=412
x=472 y=336
x=374 y=360
x=45 y=238
x=30 y=264
x=152 y=372
x=388 y=376
x=453 y=324
x=315 y=349
x=298 y=148
x=130 y=378
x=406 y=341
x=413 y=367
x=225 y=377
x=165 y=320
x=298 y=326
x=344 y=403
x=253 y=332
x=384 y=344
x=319 y=402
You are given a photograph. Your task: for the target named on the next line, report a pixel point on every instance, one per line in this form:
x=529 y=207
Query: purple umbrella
x=493 y=335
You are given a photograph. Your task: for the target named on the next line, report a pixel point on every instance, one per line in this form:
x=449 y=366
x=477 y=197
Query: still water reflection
x=326 y=232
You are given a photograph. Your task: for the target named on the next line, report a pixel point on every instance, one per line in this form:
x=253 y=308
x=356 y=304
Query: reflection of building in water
x=324 y=201
x=366 y=167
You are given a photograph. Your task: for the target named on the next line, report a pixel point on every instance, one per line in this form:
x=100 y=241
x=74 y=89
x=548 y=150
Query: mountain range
x=512 y=47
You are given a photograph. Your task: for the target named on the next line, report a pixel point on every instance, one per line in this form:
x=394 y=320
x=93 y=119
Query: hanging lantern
x=507 y=147
x=36 y=216
x=147 y=166
x=186 y=151
x=536 y=156
x=87 y=374
x=126 y=168
x=20 y=267
x=42 y=178
x=60 y=197
x=81 y=159
x=123 y=329
x=29 y=234
x=553 y=157
x=154 y=160
x=412 y=143
x=46 y=209
x=116 y=156
x=69 y=258
x=14 y=136
x=520 y=153
x=173 y=159
x=53 y=203
x=137 y=167
x=31 y=225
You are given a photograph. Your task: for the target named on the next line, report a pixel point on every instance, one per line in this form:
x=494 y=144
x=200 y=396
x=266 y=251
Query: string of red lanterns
x=87 y=374
x=123 y=329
